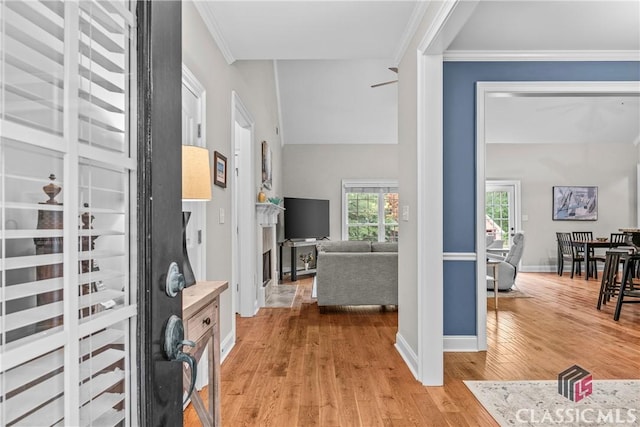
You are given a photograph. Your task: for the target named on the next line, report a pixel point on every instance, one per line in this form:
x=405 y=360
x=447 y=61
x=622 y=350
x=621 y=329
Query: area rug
x=513 y=293
x=538 y=403
x=282 y=296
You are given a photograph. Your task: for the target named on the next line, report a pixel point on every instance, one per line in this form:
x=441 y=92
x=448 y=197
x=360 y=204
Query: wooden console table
x=200 y=313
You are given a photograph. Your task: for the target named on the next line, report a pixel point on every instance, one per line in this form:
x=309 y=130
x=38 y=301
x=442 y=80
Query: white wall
x=255 y=84
x=316 y=171
x=539 y=167
x=408 y=173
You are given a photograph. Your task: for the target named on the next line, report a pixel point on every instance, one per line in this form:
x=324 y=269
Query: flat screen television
x=305 y=218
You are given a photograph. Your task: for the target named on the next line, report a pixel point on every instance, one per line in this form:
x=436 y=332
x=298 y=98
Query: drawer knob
x=207 y=321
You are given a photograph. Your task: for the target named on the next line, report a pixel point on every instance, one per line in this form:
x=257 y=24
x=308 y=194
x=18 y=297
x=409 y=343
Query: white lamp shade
x=196 y=173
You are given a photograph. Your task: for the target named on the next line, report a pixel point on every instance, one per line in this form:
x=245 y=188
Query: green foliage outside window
x=497 y=209
x=363 y=216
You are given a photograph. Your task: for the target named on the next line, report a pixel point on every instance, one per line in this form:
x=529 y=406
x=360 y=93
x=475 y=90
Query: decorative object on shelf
x=48 y=219
x=196 y=186
x=275 y=200
x=262 y=197
x=87 y=243
x=306 y=258
x=220 y=163
x=575 y=203
x=266 y=165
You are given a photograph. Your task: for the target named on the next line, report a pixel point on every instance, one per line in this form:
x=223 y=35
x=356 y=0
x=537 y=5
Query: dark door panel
x=159 y=198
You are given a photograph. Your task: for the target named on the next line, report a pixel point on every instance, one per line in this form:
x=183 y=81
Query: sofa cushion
x=344 y=246
x=384 y=246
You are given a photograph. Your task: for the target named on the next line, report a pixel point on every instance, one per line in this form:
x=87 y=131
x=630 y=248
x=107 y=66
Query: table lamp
x=196 y=186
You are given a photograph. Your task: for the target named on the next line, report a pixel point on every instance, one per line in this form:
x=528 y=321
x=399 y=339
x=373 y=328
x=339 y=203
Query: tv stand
x=293 y=245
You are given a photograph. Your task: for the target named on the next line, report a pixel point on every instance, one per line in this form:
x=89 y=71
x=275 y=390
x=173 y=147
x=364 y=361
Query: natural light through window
x=370 y=211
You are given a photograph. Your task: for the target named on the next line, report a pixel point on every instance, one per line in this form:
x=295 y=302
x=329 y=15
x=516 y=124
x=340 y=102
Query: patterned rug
x=282 y=296
x=538 y=403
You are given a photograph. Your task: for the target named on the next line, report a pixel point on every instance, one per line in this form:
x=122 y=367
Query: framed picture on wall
x=575 y=203
x=266 y=165
x=220 y=176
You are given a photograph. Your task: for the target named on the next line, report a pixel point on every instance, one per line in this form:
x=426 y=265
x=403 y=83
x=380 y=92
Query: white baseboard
x=407 y=354
x=549 y=268
x=538 y=268
x=460 y=343
x=226 y=345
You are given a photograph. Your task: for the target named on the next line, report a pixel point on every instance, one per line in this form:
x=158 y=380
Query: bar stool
x=627 y=288
x=610 y=286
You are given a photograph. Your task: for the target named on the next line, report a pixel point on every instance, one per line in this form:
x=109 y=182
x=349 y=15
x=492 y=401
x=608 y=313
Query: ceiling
x=329 y=53
x=581 y=118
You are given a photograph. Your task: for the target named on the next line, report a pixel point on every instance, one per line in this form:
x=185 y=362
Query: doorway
x=577 y=96
x=243 y=242
x=502 y=212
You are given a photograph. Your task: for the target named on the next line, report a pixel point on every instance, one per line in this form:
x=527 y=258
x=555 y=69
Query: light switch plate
x=405 y=213
x=221 y=216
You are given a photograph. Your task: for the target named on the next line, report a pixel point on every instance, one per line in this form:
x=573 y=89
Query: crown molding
x=540 y=55
x=212 y=25
x=414 y=21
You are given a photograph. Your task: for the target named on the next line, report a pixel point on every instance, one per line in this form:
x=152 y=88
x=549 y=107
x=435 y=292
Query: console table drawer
x=201 y=323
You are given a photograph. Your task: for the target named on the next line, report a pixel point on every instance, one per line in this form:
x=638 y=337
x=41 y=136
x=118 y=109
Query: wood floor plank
x=297 y=367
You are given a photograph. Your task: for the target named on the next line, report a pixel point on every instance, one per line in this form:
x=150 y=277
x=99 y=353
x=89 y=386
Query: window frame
x=381 y=185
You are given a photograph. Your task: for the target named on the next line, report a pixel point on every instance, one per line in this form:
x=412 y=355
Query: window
x=68 y=285
x=370 y=210
x=501 y=207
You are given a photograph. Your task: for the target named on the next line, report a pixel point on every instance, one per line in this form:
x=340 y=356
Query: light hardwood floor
x=297 y=367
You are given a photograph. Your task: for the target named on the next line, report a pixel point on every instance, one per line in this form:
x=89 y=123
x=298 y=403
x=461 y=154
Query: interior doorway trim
x=243 y=275
x=445 y=24
x=484 y=89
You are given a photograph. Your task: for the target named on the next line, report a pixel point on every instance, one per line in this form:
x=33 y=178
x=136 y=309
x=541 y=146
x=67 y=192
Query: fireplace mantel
x=268 y=213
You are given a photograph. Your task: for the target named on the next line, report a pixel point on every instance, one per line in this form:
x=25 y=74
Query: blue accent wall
x=459 y=180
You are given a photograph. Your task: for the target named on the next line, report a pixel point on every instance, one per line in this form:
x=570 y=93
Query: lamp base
x=187 y=271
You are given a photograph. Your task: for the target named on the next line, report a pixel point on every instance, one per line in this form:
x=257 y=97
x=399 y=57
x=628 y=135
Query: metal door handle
x=173 y=343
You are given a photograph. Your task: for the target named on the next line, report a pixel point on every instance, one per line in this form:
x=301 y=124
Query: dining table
x=587 y=245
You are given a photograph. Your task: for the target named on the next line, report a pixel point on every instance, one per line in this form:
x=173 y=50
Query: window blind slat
x=94 y=31
x=111 y=417
x=99 y=362
x=28 y=400
x=40 y=15
x=95 y=9
x=100 y=384
x=102 y=108
x=31 y=371
x=23 y=290
x=100 y=276
x=96 y=298
x=108 y=62
x=50 y=414
x=27 y=41
x=52 y=36
x=108 y=81
x=33 y=315
x=31 y=261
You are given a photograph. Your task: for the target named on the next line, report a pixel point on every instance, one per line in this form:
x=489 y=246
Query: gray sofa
x=357 y=273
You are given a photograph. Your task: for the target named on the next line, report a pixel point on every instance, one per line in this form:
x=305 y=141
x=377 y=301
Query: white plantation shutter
x=67 y=167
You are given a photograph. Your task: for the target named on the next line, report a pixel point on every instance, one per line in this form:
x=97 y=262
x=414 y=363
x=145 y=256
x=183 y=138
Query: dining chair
x=581 y=236
x=567 y=252
x=616 y=238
